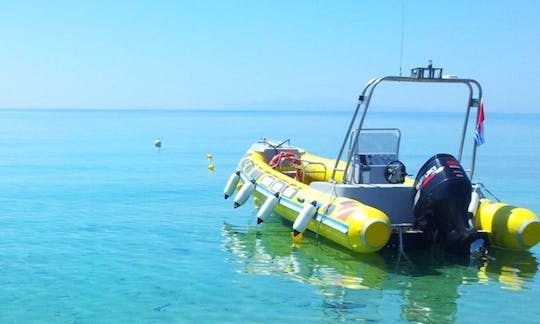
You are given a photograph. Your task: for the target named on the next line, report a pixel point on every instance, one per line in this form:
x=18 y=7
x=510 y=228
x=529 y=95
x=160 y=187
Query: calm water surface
x=97 y=225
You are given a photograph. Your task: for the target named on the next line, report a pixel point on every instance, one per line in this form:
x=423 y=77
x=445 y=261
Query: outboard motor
x=442 y=193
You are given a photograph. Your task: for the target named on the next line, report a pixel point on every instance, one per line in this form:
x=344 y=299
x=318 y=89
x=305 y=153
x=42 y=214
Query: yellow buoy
x=297 y=239
x=210 y=164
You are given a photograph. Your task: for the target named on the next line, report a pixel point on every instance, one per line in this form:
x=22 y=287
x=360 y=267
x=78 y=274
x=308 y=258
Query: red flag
x=479 y=131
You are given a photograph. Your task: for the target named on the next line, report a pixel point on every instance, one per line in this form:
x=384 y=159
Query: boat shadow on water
x=342 y=276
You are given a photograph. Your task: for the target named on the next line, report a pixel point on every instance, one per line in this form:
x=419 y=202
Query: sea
x=98 y=225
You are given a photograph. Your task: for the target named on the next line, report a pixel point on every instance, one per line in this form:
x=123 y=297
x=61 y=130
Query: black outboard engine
x=442 y=193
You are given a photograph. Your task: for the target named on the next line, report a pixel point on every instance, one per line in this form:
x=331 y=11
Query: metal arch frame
x=365 y=100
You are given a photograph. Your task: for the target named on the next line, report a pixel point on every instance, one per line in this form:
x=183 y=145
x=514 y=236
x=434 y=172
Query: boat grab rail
x=305 y=170
x=364 y=100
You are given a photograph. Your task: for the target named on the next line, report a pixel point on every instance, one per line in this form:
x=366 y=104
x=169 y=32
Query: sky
x=292 y=54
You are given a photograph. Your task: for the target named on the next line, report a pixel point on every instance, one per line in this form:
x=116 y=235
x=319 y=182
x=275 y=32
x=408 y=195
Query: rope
x=332 y=196
x=489 y=192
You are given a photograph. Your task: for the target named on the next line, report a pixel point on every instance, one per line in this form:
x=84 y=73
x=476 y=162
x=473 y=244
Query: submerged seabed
x=98 y=225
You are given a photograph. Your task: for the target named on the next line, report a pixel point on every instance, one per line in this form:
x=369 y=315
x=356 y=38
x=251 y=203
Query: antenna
x=402 y=27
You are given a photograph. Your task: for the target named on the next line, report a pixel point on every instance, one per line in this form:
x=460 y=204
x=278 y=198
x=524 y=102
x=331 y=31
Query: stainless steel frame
x=418 y=75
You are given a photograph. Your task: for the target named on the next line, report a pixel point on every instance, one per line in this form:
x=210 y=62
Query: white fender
x=304 y=217
x=473 y=205
x=231 y=184
x=243 y=194
x=267 y=208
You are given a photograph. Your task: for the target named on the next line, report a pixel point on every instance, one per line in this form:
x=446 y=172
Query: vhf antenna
x=402 y=27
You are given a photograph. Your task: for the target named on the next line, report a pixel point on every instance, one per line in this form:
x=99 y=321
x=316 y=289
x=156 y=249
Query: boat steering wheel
x=395 y=172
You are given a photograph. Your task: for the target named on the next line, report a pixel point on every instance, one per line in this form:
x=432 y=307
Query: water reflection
x=271 y=253
x=513 y=270
x=426 y=284
x=434 y=280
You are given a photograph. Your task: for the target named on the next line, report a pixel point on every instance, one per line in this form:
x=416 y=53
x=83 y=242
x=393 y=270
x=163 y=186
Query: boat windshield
x=379 y=141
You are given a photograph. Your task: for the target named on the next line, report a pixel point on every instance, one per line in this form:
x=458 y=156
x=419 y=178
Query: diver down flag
x=479 y=131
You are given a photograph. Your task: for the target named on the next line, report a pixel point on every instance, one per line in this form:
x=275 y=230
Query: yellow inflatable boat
x=364 y=199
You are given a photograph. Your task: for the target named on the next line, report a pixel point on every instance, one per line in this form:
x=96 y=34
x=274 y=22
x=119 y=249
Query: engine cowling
x=442 y=193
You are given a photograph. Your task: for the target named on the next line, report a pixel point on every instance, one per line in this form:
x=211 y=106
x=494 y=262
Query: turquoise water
x=97 y=225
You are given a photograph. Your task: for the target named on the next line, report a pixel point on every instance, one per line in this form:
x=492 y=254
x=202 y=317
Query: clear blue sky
x=257 y=54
